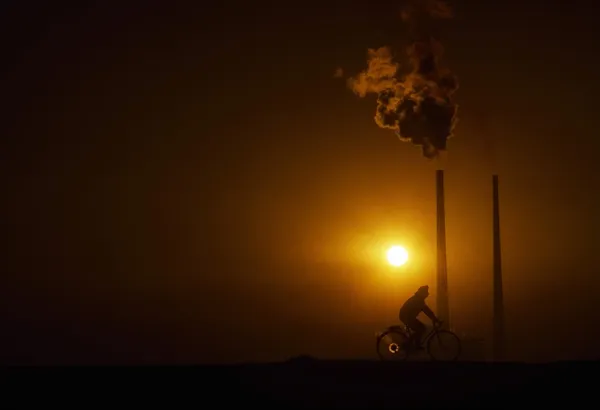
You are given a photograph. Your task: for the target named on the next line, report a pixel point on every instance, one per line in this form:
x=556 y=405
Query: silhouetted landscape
x=308 y=382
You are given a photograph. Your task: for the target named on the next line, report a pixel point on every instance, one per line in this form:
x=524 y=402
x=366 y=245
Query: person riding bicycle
x=411 y=309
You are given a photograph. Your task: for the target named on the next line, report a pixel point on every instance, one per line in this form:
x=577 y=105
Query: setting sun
x=397 y=256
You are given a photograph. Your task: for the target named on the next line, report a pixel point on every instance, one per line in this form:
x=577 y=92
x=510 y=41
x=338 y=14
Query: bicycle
x=397 y=342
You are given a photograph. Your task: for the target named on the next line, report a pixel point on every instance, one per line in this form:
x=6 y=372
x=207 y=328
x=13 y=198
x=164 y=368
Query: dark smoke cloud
x=417 y=106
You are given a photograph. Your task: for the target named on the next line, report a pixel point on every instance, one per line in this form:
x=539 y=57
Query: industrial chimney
x=498 y=339
x=442 y=273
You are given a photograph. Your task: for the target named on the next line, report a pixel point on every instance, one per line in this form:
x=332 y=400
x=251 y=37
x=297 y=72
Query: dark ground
x=314 y=383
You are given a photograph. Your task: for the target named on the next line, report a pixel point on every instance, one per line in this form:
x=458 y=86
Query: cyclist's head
x=423 y=291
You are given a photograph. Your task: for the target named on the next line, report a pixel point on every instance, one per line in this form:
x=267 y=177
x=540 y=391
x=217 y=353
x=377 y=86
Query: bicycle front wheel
x=392 y=345
x=444 y=345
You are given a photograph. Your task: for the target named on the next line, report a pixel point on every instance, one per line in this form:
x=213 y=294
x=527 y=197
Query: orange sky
x=218 y=197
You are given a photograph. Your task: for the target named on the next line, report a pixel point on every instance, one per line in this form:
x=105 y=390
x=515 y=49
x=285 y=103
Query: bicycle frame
x=411 y=332
x=408 y=344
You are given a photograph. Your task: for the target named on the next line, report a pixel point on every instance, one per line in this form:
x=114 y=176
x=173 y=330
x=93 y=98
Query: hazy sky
x=191 y=183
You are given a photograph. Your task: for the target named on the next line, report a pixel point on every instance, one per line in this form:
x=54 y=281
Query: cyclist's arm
x=430 y=313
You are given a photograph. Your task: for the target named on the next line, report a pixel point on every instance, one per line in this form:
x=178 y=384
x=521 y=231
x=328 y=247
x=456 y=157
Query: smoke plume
x=417 y=105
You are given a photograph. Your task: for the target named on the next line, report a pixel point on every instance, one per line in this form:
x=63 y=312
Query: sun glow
x=397 y=256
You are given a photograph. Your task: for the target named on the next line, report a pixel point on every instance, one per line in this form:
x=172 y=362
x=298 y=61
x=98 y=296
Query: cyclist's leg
x=419 y=330
x=406 y=322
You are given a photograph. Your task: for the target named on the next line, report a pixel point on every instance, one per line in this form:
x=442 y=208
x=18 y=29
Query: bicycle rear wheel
x=392 y=345
x=444 y=345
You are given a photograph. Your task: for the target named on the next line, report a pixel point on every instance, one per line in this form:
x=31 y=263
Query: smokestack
x=498 y=341
x=442 y=274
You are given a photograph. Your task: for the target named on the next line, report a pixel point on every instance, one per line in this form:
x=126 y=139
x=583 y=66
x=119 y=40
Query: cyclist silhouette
x=411 y=309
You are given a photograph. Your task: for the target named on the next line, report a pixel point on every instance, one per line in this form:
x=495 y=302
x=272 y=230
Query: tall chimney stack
x=498 y=342
x=442 y=273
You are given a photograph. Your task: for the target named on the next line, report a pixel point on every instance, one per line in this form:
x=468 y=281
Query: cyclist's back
x=412 y=308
